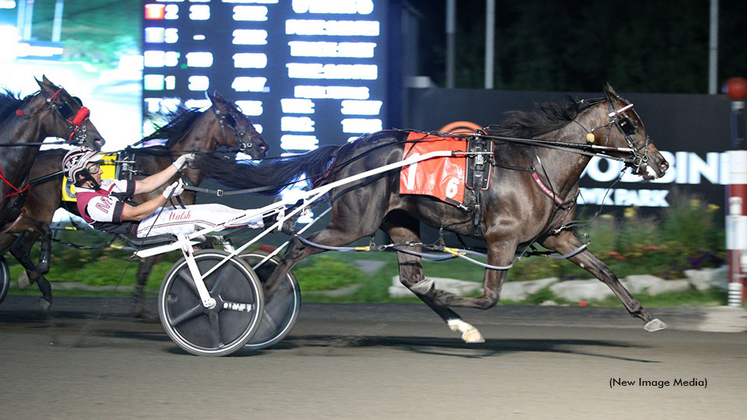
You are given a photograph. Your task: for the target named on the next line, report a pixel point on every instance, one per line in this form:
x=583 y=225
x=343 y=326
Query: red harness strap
x=16 y=190
x=563 y=205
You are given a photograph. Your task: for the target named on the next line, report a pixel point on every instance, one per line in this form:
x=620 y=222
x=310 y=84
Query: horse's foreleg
x=566 y=242
x=21 y=251
x=411 y=276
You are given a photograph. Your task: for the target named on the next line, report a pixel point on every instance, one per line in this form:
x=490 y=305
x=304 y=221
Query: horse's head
x=625 y=129
x=237 y=130
x=66 y=117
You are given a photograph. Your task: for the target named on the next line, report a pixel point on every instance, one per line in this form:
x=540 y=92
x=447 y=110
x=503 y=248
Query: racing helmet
x=75 y=162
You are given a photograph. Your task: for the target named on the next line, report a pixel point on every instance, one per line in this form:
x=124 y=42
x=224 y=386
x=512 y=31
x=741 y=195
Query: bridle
x=228 y=120
x=76 y=121
x=638 y=149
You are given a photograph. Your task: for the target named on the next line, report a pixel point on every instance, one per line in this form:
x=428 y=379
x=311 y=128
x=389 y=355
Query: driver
x=107 y=204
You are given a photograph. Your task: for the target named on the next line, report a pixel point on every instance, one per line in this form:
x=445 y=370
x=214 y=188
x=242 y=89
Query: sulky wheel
x=226 y=327
x=280 y=314
x=4 y=278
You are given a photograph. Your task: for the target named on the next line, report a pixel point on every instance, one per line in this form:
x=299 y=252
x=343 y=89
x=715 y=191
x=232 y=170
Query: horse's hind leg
x=566 y=242
x=401 y=228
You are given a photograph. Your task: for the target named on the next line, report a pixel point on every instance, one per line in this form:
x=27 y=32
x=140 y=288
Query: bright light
x=251 y=108
x=297 y=106
x=155 y=11
x=332 y=27
x=298 y=142
x=332 y=71
x=198 y=83
x=249 y=84
x=172 y=12
x=363 y=7
x=250 y=60
x=153 y=82
x=361 y=125
x=162 y=105
x=160 y=58
x=251 y=1
x=198 y=103
x=331 y=92
x=250 y=13
x=199 y=12
x=332 y=49
x=155 y=35
x=361 y=107
x=250 y=37
x=300 y=124
x=199 y=59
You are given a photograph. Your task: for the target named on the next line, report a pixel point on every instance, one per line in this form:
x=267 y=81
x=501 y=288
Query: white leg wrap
x=470 y=334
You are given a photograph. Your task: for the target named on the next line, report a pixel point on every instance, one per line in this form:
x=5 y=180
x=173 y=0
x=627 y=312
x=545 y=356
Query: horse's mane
x=546 y=117
x=180 y=123
x=9 y=103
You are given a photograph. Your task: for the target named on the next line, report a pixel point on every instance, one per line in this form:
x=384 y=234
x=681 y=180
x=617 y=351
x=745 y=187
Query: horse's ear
x=45 y=85
x=610 y=91
x=218 y=96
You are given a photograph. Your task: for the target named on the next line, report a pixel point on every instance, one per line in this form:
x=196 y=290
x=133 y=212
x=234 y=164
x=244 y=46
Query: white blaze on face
x=650 y=171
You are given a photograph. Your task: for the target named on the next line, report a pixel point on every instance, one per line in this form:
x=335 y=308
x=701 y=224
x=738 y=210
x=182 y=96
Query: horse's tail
x=273 y=174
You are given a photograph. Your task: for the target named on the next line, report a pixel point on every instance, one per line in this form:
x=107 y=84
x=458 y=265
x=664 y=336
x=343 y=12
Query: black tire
x=281 y=313
x=223 y=329
x=4 y=278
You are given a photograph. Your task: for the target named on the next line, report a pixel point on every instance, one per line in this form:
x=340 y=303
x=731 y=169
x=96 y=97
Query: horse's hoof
x=473 y=336
x=654 y=325
x=23 y=281
x=44 y=304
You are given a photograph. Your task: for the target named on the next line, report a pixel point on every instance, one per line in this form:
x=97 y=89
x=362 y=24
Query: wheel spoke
x=192 y=313
x=218 y=285
x=269 y=320
x=189 y=281
x=215 y=329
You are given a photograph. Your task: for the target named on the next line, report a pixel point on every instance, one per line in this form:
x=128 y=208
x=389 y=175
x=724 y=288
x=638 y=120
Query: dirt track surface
x=377 y=362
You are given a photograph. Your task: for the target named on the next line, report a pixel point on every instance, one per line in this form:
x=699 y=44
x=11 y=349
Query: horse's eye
x=231 y=120
x=627 y=126
x=65 y=111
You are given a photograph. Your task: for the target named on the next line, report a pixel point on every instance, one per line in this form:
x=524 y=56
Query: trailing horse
x=24 y=124
x=188 y=131
x=538 y=158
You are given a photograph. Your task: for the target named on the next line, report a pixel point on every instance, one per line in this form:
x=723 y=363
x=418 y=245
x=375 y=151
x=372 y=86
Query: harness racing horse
x=24 y=124
x=189 y=131
x=538 y=158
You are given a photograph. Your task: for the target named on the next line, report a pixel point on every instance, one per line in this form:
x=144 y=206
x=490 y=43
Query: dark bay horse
x=24 y=124
x=189 y=130
x=518 y=209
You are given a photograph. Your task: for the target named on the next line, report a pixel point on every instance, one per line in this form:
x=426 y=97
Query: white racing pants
x=179 y=221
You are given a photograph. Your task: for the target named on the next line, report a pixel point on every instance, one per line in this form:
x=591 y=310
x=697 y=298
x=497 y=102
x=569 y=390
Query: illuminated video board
x=307 y=72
